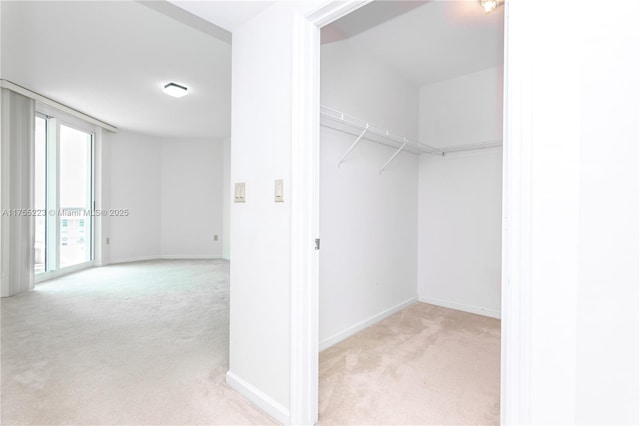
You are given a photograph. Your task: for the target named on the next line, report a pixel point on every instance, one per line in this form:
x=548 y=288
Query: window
x=63 y=189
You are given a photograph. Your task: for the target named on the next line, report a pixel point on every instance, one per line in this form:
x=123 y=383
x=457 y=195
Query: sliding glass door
x=75 y=196
x=64 y=193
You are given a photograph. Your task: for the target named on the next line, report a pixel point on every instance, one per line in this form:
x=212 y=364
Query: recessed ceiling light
x=175 y=90
x=489 y=5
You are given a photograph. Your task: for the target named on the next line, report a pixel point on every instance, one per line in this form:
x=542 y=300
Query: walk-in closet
x=410 y=211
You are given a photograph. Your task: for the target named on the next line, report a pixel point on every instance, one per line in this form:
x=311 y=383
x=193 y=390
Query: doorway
x=410 y=209
x=304 y=374
x=64 y=194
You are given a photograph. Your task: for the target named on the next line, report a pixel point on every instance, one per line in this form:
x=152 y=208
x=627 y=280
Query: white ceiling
x=111 y=59
x=425 y=41
x=226 y=14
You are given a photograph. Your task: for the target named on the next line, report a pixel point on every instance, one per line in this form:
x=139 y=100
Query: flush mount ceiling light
x=490 y=5
x=175 y=90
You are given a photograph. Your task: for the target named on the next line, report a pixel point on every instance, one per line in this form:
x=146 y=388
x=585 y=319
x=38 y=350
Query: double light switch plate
x=240 y=191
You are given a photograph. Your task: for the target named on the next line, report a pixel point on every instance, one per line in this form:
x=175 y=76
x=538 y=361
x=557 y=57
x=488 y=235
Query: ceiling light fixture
x=175 y=90
x=490 y=5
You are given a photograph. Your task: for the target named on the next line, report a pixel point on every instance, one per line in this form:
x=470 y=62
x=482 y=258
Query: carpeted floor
x=139 y=343
x=424 y=365
x=147 y=343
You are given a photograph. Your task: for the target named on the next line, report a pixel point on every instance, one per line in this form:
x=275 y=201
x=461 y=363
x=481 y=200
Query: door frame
x=305 y=183
x=516 y=220
x=55 y=119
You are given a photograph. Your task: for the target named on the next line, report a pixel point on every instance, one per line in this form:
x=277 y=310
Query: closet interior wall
x=460 y=194
x=368 y=220
x=428 y=227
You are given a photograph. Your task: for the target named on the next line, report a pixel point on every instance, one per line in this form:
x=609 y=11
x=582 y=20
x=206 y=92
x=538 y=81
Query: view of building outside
x=74 y=192
x=75 y=196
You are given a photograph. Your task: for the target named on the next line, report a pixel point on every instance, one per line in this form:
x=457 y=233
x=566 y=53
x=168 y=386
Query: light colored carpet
x=139 y=343
x=147 y=343
x=423 y=365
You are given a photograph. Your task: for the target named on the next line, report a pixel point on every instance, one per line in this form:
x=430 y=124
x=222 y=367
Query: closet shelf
x=362 y=129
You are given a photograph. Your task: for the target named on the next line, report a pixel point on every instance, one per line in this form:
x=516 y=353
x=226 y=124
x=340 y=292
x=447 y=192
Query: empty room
x=127 y=255
x=319 y=212
x=130 y=299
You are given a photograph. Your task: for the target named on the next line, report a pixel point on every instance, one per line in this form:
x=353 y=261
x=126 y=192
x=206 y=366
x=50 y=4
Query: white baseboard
x=479 y=310
x=258 y=398
x=188 y=256
x=132 y=259
x=163 y=257
x=338 y=337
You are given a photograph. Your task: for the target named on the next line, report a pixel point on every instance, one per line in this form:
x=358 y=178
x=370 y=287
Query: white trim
x=472 y=309
x=305 y=148
x=45 y=276
x=48 y=101
x=338 y=337
x=305 y=183
x=164 y=257
x=637 y=94
x=133 y=259
x=189 y=256
x=333 y=11
x=517 y=195
x=257 y=397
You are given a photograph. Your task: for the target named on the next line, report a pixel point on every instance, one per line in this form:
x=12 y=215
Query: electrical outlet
x=107 y=240
x=215 y=238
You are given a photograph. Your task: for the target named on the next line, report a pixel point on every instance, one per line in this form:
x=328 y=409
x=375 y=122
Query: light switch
x=279 y=191
x=240 y=193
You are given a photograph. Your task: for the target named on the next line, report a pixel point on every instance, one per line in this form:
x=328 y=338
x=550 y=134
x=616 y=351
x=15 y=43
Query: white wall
x=459 y=255
x=191 y=199
x=135 y=168
x=261 y=231
x=608 y=309
x=357 y=84
x=571 y=328
x=226 y=198
x=368 y=221
x=173 y=191
x=460 y=232
x=462 y=110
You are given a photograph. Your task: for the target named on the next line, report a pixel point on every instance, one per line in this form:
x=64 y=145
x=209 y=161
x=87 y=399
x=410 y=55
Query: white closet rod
x=397 y=141
x=473 y=146
x=355 y=132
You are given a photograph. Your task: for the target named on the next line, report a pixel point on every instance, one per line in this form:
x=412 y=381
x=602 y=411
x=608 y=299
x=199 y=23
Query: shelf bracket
x=395 y=154
x=353 y=145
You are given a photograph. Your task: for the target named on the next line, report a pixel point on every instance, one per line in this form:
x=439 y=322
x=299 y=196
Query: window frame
x=54 y=119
